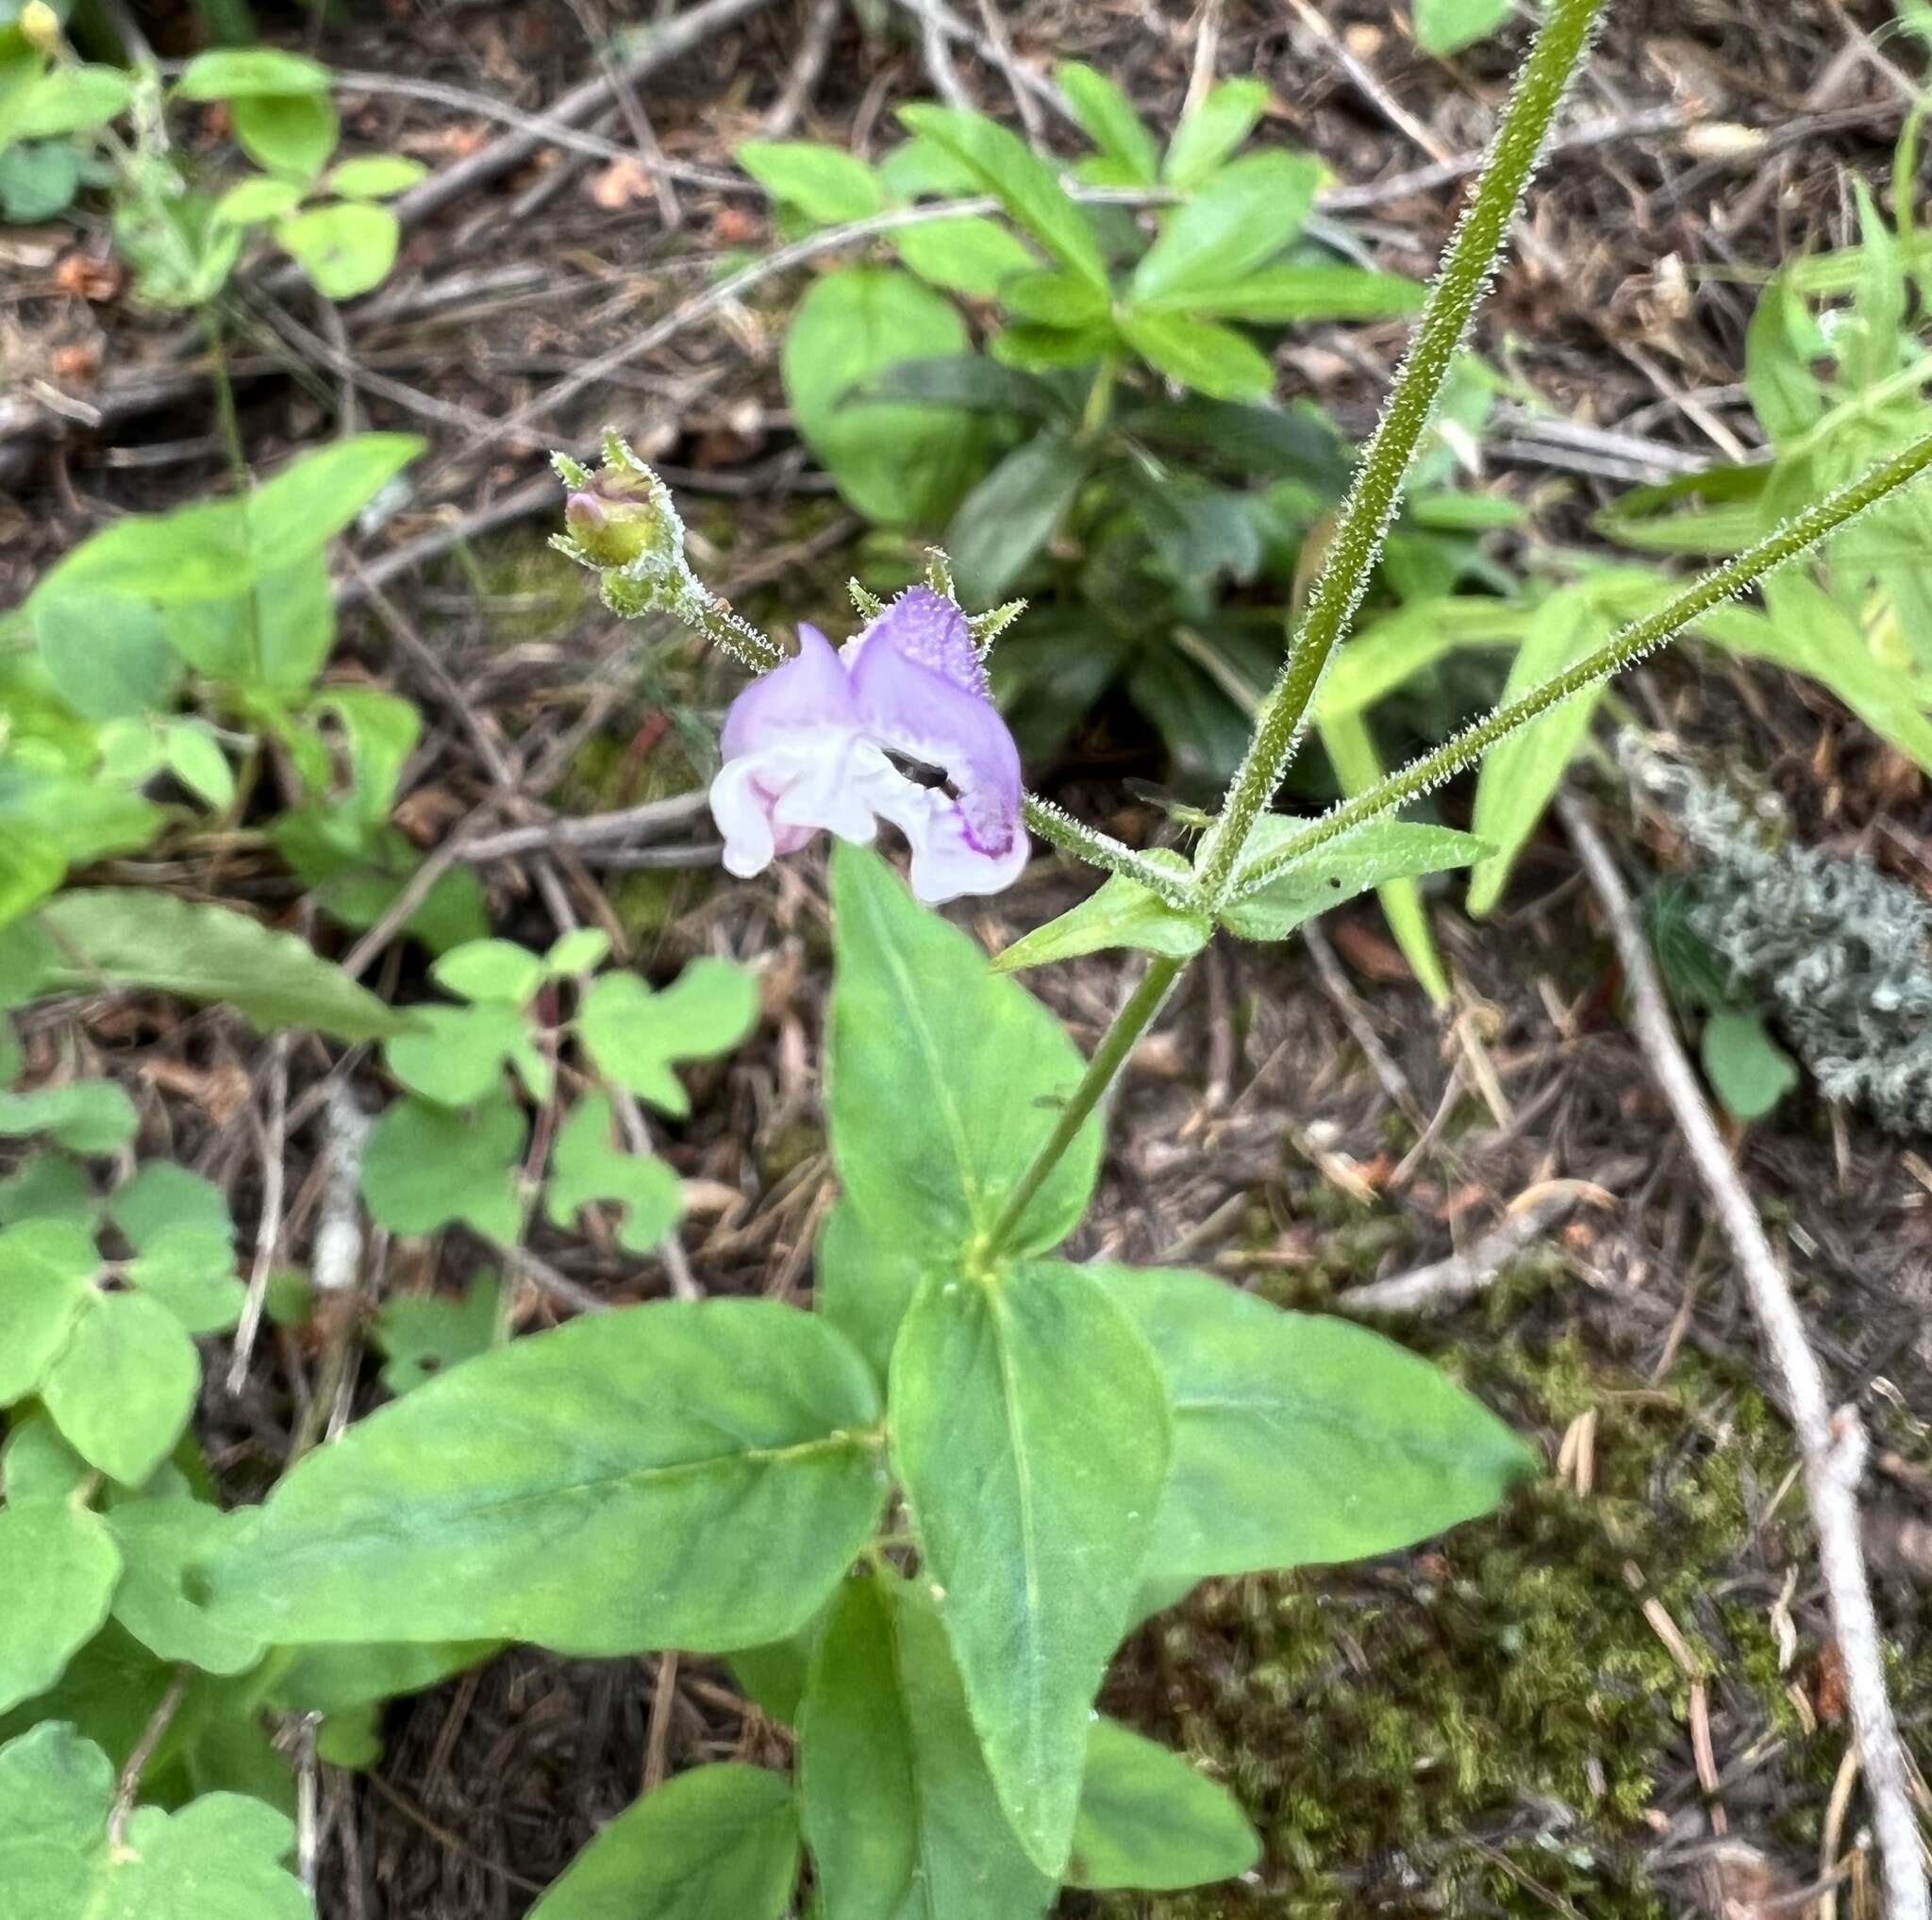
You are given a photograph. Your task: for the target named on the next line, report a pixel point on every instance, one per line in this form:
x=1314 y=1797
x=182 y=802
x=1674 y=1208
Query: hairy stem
x=1366 y=516
x=1143 y=1008
x=1796 y=537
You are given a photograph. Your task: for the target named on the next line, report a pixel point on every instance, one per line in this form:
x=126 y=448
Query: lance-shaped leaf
x=1121 y=913
x=1299 y=1439
x=942 y=1081
x=1031 y=1434
x=717 y=1843
x=863 y=1282
x=219 y=1857
x=1148 y=1819
x=715 y=1455
x=1374 y=854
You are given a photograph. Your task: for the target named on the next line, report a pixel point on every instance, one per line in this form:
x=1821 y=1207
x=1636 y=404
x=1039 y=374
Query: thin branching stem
x=1467 y=270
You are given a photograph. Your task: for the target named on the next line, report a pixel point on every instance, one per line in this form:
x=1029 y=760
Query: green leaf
x=1300 y=1440
x=292 y=134
x=374 y=176
x=428 y=1167
x=132 y=937
x=1122 y=912
x=107 y=654
x=161 y=1543
x=1030 y=1432
x=1148 y=1819
x=898 y=466
x=273 y=638
x=251 y=202
x=1446 y=27
x=1290 y=295
x=194 y=757
x=86 y=1116
x=718 y=1453
x=346 y=248
x=122 y=1384
x=423 y=1335
x=587 y=1167
x=191 y=1271
x=1005 y=167
x=492 y=969
x=1108 y=118
x=1370 y=856
x=36 y=1464
x=58 y=1567
x=1225 y=116
x=941 y=1079
x=1749 y=1071
x=161 y=1198
x=219 y=1856
x=38 y=179
x=1245 y=215
x=717 y=1842
x=825 y=183
x=318 y=495
x=971 y=255
x=195 y=552
x=458 y=1053
x=71 y=100
x=1200 y=354
x=1781 y=345
x=637 y=1036
x=245 y=73
x=31 y=866
x=582 y=951
x=970 y=382
x=863 y=1284
x=1520 y=775
x=898 y=1807
x=1012 y=513
x=47 y=1270
x=1057 y=298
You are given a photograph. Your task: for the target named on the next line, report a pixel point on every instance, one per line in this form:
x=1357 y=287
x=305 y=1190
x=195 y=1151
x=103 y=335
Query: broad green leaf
x=86 y=1116
x=1148 y=1819
x=273 y=638
x=827 y=184
x=1290 y=295
x=32 y=864
x=1108 y=118
x=580 y=951
x=458 y=1053
x=1446 y=27
x=970 y=382
x=971 y=255
x=1351 y=749
x=1223 y=120
x=899 y=466
x=941 y=1079
x=290 y=134
x=899 y=1809
x=1200 y=354
x=421 y=1335
x=588 y=1166
x=1121 y=913
x=1030 y=1432
x=38 y=179
x=1521 y=774
x=161 y=1543
x=1057 y=298
x=1749 y=1071
x=491 y=970
x=346 y=248
x=194 y=757
x=338 y=1679
x=195 y=552
x=1022 y=183
x=1012 y=513
x=57 y=1568
x=71 y=100
x=243 y=73
x=637 y=1036
x=717 y=1843
x=1239 y=219
x=1300 y=1440
x=428 y=1167
x=133 y=937
x=219 y=1857
x=718 y=1453
x=122 y=1384
x=863 y=1284
x=46 y=1273
x=162 y=1197
x=318 y=495
x=1374 y=853
x=374 y=176
x=251 y=202
x=36 y=1463
x=191 y=1271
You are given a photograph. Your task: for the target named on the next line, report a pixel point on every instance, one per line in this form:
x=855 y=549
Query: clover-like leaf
x=587 y=1167
x=426 y=1334
x=428 y=1167
x=490 y=970
x=637 y=1036
x=458 y=1055
x=57 y=1568
x=160 y=1542
x=124 y=1383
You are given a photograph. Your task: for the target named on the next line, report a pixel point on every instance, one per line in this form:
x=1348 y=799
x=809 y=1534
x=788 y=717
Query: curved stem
x=1143 y=1008
x=1370 y=508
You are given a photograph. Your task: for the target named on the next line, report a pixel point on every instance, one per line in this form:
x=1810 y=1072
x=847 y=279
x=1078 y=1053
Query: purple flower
x=816 y=744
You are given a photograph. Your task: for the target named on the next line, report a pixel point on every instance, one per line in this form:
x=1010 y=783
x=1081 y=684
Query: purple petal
x=947 y=860
x=929 y=630
x=810 y=690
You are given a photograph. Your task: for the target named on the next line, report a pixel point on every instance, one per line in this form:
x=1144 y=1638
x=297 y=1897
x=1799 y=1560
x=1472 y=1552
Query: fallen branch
x=1832 y=1445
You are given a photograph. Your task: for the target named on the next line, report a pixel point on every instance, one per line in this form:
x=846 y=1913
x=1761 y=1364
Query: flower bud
x=617 y=525
x=39 y=26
